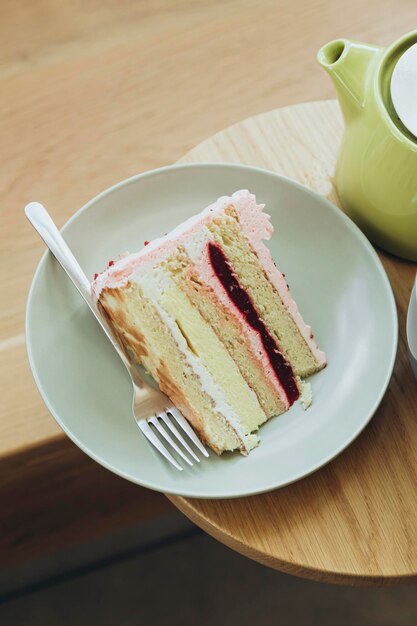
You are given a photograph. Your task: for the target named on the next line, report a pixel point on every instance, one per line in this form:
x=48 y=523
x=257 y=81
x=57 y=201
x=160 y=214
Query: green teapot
x=376 y=172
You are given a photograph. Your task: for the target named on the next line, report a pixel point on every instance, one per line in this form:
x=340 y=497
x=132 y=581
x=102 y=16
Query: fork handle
x=42 y=222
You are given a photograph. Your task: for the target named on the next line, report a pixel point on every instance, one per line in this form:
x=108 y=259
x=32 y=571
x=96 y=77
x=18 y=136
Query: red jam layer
x=243 y=302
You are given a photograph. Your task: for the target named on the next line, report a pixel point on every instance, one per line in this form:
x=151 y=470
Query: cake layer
x=163 y=351
x=230 y=331
x=267 y=301
x=204 y=343
x=244 y=304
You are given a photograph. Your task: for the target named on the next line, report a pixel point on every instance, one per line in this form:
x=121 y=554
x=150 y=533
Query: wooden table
x=93 y=93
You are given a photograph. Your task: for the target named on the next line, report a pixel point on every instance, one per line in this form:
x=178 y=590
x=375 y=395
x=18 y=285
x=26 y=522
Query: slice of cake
x=208 y=314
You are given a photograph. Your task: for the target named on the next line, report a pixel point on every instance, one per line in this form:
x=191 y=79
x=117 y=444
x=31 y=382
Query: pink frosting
x=128 y=265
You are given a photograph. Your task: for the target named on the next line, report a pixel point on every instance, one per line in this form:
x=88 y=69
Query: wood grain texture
x=355 y=520
x=93 y=92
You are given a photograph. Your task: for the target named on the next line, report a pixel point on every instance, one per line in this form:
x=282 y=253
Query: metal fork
x=152 y=409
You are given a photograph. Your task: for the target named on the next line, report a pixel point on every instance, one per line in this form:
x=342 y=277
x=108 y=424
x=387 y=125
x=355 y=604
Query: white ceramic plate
x=336 y=278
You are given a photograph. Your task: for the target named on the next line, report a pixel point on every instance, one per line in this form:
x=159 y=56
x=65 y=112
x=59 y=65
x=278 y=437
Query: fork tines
x=171 y=421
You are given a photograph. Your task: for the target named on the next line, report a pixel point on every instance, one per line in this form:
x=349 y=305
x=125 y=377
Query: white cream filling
x=153 y=283
x=306 y=397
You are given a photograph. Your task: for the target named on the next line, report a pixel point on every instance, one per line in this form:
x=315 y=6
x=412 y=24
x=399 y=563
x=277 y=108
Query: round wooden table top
x=355 y=520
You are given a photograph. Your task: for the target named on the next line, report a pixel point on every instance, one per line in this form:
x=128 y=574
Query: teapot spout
x=349 y=64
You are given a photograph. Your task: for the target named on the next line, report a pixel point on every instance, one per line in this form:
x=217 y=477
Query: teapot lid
x=404 y=89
